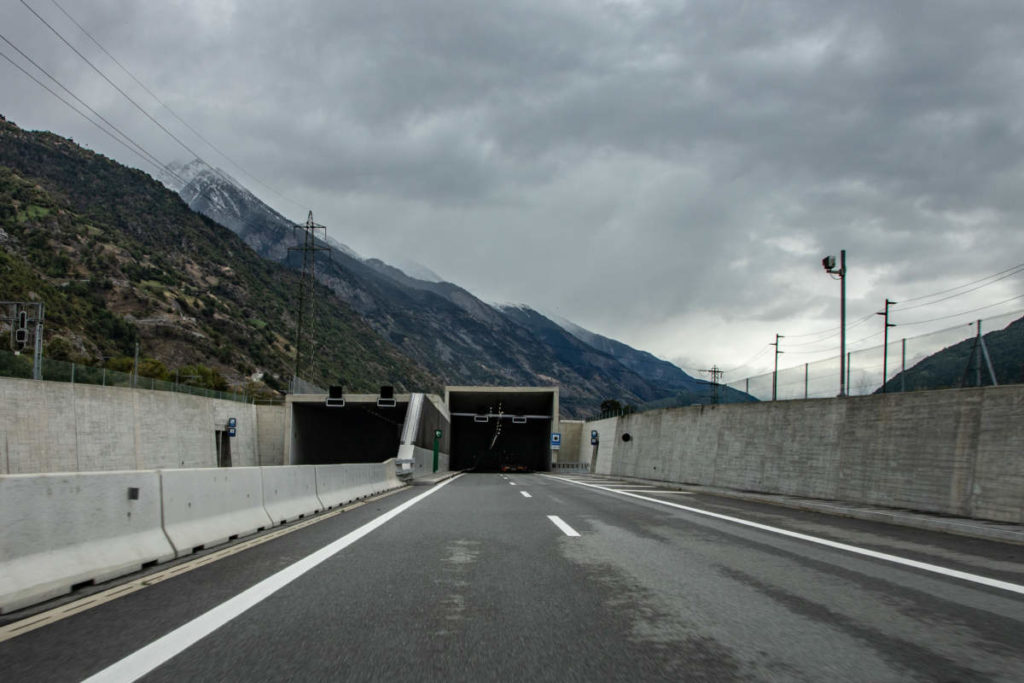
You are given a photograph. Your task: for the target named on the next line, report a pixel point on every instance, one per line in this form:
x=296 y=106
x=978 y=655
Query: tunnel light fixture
x=518 y=419
x=387 y=397
x=335 y=397
x=481 y=418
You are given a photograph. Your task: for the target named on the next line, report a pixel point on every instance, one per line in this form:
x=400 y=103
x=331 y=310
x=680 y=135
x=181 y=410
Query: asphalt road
x=473 y=580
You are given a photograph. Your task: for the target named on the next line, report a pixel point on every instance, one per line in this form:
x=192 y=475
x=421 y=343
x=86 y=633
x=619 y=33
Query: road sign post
x=437 y=445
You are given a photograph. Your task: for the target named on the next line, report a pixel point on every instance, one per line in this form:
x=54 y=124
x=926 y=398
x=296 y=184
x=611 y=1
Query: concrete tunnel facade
x=483 y=428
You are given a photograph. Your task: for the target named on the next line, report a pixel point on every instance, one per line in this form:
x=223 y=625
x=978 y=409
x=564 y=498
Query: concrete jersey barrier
x=204 y=507
x=61 y=530
x=289 y=493
x=341 y=484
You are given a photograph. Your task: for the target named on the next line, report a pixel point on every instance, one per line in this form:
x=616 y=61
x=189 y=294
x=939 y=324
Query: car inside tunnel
x=501 y=429
x=359 y=431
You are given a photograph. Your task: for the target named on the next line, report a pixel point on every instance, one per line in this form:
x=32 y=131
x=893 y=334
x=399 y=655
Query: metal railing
x=12 y=365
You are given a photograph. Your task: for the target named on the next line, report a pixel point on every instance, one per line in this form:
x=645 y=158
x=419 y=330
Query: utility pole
x=307 y=286
x=885 y=343
x=829 y=262
x=775 y=372
x=716 y=374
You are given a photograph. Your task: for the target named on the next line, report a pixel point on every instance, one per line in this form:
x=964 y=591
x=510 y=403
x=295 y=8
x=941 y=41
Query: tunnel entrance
x=502 y=428
x=360 y=431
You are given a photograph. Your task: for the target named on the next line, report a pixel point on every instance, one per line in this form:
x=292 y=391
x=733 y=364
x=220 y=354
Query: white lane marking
x=681 y=493
x=895 y=559
x=525 y=494
x=512 y=483
x=566 y=529
x=95 y=600
x=145 y=660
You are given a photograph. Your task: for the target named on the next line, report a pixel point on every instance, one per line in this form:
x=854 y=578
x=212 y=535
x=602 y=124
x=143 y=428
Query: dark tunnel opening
x=357 y=432
x=501 y=429
x=516 y=447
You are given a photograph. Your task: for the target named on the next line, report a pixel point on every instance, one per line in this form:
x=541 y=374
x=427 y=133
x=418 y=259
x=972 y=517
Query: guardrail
x=570 y=467
x=66 y=530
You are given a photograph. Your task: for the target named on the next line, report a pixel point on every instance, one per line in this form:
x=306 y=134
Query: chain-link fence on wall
x=909 y=364
x=12 y=365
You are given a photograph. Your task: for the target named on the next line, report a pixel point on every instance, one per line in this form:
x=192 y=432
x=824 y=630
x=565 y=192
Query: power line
x=78 y=111
x=1014 y=271
x=956 y=315
x=1017 y=267
x=112 y=84
x=171 y=111
x=141 y=151
x=835 y=332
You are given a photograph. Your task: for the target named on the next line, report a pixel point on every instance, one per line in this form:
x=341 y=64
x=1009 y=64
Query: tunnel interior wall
x=517 y=444
x=357 y=432
x=433 y=416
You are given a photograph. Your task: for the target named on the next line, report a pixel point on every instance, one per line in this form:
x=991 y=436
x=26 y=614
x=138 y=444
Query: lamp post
x=829 y=262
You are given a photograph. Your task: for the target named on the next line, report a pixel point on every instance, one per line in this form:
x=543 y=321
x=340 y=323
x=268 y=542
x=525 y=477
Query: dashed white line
x=566 y=529
x=525 y=494
x=886 y=557
x=512 y=483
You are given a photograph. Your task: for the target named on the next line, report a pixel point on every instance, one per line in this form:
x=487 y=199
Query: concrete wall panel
x=63 y=427
x=205 y=507
x=289 y=493
x=60 y=530
x=270 y=435
x=341 y=484
x=957 y=452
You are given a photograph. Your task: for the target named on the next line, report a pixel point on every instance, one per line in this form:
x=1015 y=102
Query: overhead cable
x=139 y=149
x=112 y=84
x=80 y=112
x=171 y=111
x=1016 y=268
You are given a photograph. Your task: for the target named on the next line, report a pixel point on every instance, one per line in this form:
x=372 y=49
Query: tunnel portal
x=502 y=428
x=359 y=431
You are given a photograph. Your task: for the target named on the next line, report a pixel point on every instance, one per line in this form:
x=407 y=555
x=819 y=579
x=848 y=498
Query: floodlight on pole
x=829 y=263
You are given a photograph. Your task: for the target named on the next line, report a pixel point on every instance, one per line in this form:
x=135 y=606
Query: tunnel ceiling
x=513 y=401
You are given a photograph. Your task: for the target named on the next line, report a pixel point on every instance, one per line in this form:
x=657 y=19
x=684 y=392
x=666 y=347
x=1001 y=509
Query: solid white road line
x=525 y=494
x=145 y=660
x=895 y=559
x=566 y=529
x=512 y=483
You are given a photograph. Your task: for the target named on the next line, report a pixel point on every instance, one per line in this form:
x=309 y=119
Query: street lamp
x=829 y=262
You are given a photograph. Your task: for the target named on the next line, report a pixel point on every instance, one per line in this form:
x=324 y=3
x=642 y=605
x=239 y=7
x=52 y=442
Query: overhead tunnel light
x=335 y=399
x=480 y=418
x=387 y=397
x=518 y=419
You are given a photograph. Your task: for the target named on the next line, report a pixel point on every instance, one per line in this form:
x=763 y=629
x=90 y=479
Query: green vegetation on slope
x=117 y=258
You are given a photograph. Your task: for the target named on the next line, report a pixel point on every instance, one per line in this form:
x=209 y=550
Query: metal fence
x=12 y=365
x=907 y=364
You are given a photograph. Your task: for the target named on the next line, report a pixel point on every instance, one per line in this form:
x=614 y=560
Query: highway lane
x=477 y=581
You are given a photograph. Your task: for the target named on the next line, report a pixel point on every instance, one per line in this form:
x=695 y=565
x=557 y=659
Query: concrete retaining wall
x=601 y=457
x=956 y=452
x=289 y=493
x=59 y=530
x=62 y=427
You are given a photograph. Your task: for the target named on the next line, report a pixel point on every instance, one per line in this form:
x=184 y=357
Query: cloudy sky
x=666 y=173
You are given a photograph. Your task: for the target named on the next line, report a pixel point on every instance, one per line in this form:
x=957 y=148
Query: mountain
x=443 y=327
x=117 y=258
x=655 y=370
x=954 y=365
